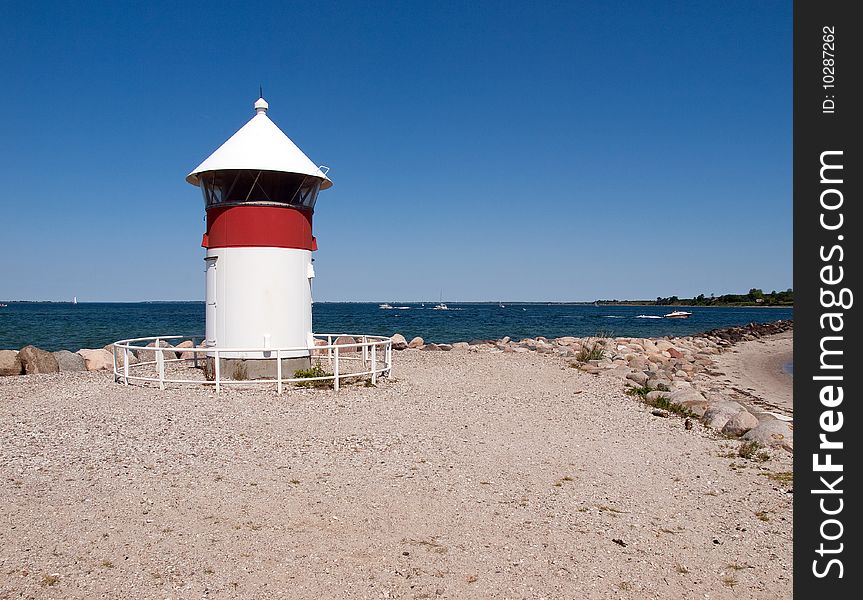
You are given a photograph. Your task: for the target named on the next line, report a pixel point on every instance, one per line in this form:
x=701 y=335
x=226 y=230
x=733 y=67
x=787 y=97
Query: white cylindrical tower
x=259 y=193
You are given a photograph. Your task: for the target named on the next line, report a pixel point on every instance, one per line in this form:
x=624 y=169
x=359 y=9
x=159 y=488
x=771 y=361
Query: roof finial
x=261 y=105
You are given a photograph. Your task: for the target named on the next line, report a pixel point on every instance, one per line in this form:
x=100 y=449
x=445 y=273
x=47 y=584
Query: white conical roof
x=260 y=145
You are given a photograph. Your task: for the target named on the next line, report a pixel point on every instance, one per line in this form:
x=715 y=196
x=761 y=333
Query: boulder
x=430 y=347
x=718 y=414
x=10 y=364
x=399 y=342
x=658 y=383
x=638 y=377
x=772 y=432
x=69 y=361
x=37 y=361
x=149 y=355
x=97 y=360
x=655 y=395
x=445 y=347
x=417 y=342
x=675 y=353
x=460 y=346
x=696 y=407
x=664 y=345
x=315 y=352
x=679 y=396
x=190 y=355
x=740 y=423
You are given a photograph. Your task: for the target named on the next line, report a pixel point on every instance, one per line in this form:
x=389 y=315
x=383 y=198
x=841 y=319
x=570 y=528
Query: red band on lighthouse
x=257 y=226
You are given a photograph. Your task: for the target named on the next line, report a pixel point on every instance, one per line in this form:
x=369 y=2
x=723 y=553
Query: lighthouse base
x=240 y=369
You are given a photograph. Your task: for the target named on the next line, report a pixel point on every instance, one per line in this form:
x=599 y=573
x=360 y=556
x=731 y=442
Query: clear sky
x=482 y=150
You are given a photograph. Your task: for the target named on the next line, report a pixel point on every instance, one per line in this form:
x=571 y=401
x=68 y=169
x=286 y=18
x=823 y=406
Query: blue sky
x=486 y=151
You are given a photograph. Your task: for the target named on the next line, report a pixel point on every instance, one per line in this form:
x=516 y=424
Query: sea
x=56 y=325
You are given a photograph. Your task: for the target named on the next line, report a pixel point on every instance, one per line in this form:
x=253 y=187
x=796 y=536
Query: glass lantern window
x=242 y=186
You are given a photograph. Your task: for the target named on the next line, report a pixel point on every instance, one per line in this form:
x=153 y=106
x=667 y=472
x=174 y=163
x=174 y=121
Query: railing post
x=125 y=365
x=160 y=365
x=279 y=371
x=365 y=351
x=330 y=350
x=374 y=364
x=389 y=358
x=218 y=373
x=114 y=357
x=336 y=370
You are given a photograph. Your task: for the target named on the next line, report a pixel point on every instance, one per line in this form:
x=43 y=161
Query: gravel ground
x=479 y=475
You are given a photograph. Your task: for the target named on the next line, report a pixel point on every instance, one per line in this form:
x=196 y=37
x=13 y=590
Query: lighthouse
x=259 y=193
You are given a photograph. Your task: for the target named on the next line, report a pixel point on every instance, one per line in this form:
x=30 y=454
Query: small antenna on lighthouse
x=262 y=92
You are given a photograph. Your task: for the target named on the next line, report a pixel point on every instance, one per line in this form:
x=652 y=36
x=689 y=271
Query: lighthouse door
x=211 y=300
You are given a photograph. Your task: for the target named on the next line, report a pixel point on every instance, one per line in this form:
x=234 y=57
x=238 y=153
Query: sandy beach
x=478 y=475
x=755 y=370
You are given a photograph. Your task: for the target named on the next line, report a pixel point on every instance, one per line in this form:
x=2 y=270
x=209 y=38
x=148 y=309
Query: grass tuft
x=314 y=371
x=751 y=450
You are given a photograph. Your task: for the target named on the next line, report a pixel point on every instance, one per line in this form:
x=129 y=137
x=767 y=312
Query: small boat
x=3 y=305
x=500 y=305
x=678 y=314
x=441 y=306
x=385 y=306
x=75 y=300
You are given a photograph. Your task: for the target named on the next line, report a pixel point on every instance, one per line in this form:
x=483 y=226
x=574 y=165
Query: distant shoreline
x=506 y=302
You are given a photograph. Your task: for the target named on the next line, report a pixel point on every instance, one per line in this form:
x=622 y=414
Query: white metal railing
x=372 y=356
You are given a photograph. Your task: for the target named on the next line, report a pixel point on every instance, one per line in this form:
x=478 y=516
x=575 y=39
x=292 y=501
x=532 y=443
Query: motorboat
x=441 y=306
x=385 y=306
x=678 y=314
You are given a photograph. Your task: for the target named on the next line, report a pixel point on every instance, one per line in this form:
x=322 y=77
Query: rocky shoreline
x=680 y=371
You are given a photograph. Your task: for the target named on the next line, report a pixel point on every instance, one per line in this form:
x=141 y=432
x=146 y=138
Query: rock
x=444 y=347
x=682 y=395
x=37 y=361
x=664 y=345
x=345 y=339
x=638 y=377
x=97 y=360
x=430 y=347
x=505 y=340
x=399 y=342
x=772 y=432
x=655 y=395
x=740 y=423
x=675 y=353
x=191 y=355
x=417 y=342
x=696 y=407
x=717 y=415
x=657 y=412
x=10 y=364
x=658 y=383
x=315 y=352
x=460 y=346
x=566 y=340
x=69 y=361
x=145 y=355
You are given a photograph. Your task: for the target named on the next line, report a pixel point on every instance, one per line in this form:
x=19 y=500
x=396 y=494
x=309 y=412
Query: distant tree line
x=755 y=296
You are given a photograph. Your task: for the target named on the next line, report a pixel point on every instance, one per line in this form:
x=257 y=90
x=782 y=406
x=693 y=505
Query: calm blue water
x=93 y=325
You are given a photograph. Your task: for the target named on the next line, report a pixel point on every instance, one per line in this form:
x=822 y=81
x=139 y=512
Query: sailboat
x=440 y=305
x=74 y=299
x=500 y=304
